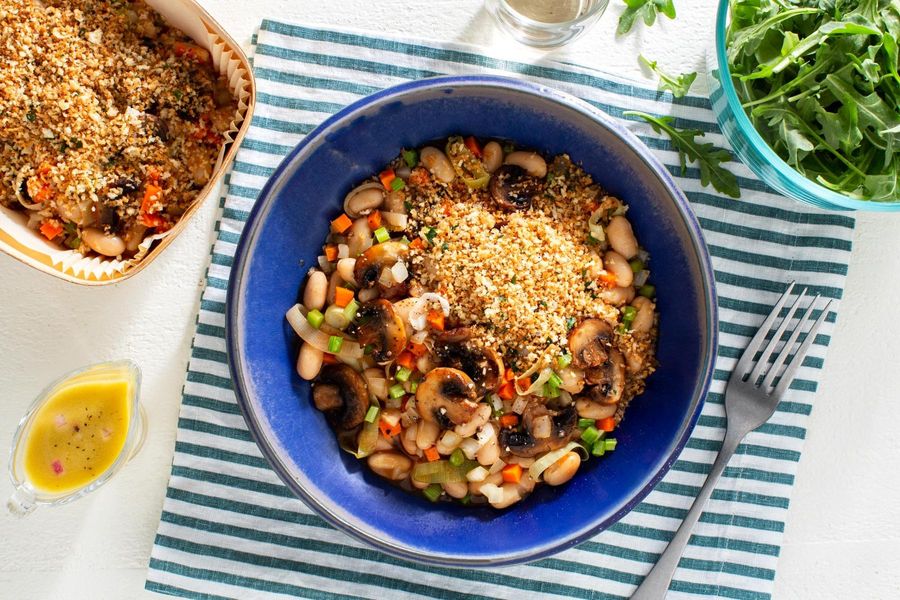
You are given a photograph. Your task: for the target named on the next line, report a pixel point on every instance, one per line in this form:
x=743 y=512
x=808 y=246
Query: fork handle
x=656 y=584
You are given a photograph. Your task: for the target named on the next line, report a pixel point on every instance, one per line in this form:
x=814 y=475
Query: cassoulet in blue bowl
x=471 y=321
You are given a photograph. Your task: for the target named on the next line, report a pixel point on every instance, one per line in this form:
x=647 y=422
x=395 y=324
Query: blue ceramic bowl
x=283 y=237
x=749 y=145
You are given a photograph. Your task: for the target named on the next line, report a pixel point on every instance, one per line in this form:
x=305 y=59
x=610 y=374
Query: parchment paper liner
x=33 y=249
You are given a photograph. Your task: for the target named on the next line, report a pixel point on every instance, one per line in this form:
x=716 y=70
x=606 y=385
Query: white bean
x=456 y=489
x=360 y=238
x=345 y=269
x=621 y=237
x=562 y=470
x=532 y=162
x=408 y=439
x=427 y=435
x=390 y=465
x=438 y=163
x=333 y=282
x=309 y=361
x=315 y=291
x=376 y=375
x=395 y=202
x=617 y=296
x=382 y=443
x=588 y=409
x=493 y=479
x=106 y=244
x=492 y=156
x=634 y=362
x=510 y=496
x=490 y=452
x=643 y=320
x=448 y=442
x=367 y=294
x=364 y=199
x=616 y=264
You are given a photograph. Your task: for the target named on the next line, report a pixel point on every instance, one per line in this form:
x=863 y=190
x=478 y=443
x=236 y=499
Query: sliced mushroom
x=522 y=442
x=363 y=199
x=382 y=329
x=370 y=264
x=607 y=380
x=447 y=396
x=512 y=188
x=341 y=393
x=588 y=343
x=483 y=365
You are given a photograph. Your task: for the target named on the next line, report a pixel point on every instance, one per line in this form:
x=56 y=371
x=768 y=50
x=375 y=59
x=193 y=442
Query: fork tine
x=776 y=339
x=743 y=365
x=789 y=345
x=792 y=368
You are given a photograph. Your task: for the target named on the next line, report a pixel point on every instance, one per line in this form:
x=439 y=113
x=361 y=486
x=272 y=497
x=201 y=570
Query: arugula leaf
x=706 y=155
x=646 y=10
x=679 y=86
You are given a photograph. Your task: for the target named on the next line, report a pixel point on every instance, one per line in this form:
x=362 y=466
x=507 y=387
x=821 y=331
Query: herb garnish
x=707 y=156
x=646 y=9
x=679 y=86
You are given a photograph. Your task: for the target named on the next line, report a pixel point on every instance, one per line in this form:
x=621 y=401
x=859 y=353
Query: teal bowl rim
x=784 y=170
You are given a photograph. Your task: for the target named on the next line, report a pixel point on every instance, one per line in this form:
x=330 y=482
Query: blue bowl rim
x=838 y=201
x=247 y=241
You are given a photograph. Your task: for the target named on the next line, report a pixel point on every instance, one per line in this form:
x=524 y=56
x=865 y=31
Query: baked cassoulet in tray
x=479 y=321
x=111 y=121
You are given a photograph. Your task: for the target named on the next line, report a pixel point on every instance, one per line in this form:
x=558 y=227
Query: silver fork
x=748 y=404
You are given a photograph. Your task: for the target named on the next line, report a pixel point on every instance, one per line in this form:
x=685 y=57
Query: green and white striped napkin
x=230 y=529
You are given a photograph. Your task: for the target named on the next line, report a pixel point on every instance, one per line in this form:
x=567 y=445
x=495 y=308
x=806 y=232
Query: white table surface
x=843 y=527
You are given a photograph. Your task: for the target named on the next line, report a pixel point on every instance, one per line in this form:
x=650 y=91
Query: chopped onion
x=542 y=427
x=319 y=339
x=419 y=337
x=565 y=398
x=470 y=447
x=326 y=266
x=496 y=402
x=541 y=464
x=387 y=277
x=439 y=471
x=367 y=294
x=419 y=312
x=537 y=384
x=477 y=475
x=343 y=251
x=644 y=256
x=641 y=278
x=368 y=438
x=519 y=405
x=497 y=467
x=594 y=226
x=493 y=493
x=450 y=439
x=394 y=221
x=485 y=435
x=399 y=271
x=377 y=386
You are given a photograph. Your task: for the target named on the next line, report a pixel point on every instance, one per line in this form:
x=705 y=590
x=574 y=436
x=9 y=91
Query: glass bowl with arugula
x=808 y=95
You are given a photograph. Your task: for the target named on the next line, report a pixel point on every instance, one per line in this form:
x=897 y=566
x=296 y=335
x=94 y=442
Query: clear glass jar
x=546 y=23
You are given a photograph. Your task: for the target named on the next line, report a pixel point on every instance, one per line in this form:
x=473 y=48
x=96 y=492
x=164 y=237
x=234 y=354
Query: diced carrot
x=341 y=224
x=511 y=473
x=152 y=198
x=523 y=382
x=507 y=391
x=508 y=375
x=386 y=177
x=389 y=430
x=331 y=253
x=51 y=228
x=416 y=350
x=447 y=208
x=472 y=145
x=192 y=51
x=607 y=424
x=417 y=244
x=435 y=319
x=406 y=359
x=154 y=220
x=607 y=279
x=432 y=454
x=509 y=420
x=329 y=359
x=374 y=220
x=342 y=296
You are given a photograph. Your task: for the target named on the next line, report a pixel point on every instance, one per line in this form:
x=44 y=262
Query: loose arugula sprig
x=707 y=156
x=819 y=80
x=679 y=86
x=646 y=9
